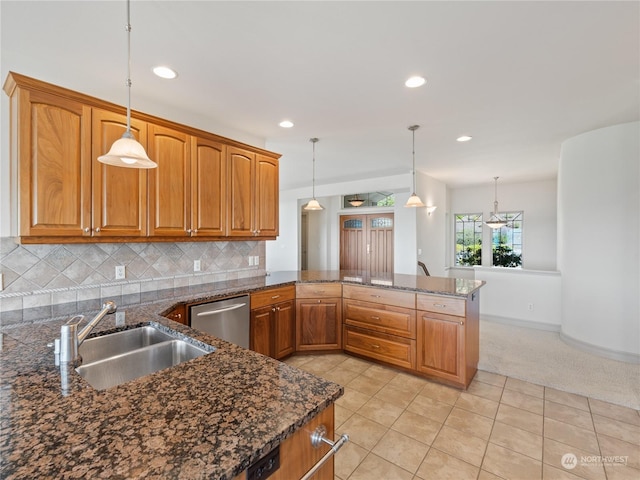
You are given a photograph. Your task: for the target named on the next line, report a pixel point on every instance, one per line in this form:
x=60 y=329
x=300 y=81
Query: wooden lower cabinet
x=298 y=455
x=178 y=314
x=379 y=346
x=318 y=317
x=272 y=328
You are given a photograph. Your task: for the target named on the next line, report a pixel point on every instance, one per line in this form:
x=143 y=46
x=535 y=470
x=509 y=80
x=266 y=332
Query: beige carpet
x=542 y=357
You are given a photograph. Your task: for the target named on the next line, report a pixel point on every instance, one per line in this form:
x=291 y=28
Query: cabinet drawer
x=440 y=304
x=394 y=350
x=381 y=318
x=318 y=290
x=380 y=295
x=272 y=296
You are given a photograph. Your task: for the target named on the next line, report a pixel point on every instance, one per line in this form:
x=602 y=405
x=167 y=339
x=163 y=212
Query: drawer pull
x=273 y=297
x=375 y=296
x=440 y=305
x=317 y=439
x=373 y=345
x=373 y=317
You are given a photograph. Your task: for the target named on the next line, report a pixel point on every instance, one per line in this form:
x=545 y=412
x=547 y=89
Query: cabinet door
x=240 y=196
x=178 y=314
x=119 y=194
x=169 y=183
x=318 y=324
x=267 y=203
x=284 y=337
x=260 y=330
x=208 y=188
x=54 y=169
x=441 y=346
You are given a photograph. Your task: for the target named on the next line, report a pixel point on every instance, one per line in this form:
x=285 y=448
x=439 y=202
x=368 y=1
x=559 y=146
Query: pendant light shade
x=414 y=200
x=495 y=221
x=126 y=151
x=356 y=201
x=313 y=203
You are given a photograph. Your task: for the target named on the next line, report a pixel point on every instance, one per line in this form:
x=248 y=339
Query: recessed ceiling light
x=286 y=124
x=165 y=72
x=464 y=138
x=414 y=82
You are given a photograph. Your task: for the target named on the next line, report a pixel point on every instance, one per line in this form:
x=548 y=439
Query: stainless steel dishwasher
x=227 y=319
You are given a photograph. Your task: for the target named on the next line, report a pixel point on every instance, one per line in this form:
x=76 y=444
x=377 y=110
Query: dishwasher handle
x=220 y=310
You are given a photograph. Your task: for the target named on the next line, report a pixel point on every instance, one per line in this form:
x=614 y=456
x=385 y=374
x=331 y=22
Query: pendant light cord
x=127 y=27
x=313 y=178
x=495 y=198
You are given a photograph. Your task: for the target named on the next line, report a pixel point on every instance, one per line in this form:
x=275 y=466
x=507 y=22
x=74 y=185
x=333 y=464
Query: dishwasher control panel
x=264 y=467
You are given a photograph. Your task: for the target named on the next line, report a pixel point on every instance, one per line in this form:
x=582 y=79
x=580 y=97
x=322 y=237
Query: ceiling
x=520 y=77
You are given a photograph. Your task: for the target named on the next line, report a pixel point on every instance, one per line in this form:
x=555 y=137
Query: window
x=468 y=239
x=371 y=199
x=506 y=242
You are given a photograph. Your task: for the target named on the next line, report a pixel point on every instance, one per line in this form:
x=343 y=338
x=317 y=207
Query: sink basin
x=121 y=368
x=105 y=346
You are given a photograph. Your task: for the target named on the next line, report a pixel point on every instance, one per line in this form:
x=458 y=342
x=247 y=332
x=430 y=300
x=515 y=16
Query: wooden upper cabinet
x=119 y=206
x=208 y=188
x=267 y=203
x=54 y=163
x=240 y=196
x=169 y=183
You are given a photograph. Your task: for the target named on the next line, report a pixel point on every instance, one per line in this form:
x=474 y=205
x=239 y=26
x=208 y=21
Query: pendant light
x=495 y=221
x=313 y=203
x=126 y=151
x=356 y=201
x=414 y=200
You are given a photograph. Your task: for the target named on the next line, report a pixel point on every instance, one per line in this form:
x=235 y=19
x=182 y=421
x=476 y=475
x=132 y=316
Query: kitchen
x=222 y=261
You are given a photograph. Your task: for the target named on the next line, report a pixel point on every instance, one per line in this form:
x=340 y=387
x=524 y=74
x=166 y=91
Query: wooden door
x=318 y=324
x=284 y=329
x=208 y=188
x=240 y=193
x=267 y=203
x=366 y=242
x=169 y=183
x=440 y=345
x=260 y=330
x=48 y=133
x=119 y=194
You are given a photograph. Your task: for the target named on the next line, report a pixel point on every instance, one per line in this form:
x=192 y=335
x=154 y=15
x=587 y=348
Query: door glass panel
x=353 y=223
x=381 y=222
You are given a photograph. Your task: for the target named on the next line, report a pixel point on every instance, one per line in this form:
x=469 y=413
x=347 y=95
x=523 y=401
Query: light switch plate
x=1 y=281
x=197 y=265
x=120 y=272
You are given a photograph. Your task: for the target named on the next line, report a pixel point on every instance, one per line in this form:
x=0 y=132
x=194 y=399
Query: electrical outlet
x=1 y=281
x=196 y=265
x=530 y=307
x=120 y=272
x=119 y=319
x=250 y=261
x=256 y=260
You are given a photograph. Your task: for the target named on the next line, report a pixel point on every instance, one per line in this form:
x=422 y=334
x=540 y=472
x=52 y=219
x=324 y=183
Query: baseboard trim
x=548 y=327
x=600 y=351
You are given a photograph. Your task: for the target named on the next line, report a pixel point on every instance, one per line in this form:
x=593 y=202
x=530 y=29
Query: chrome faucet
x=70 y=339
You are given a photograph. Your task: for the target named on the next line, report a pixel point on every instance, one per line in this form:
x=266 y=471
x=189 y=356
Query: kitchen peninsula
x=213 y=416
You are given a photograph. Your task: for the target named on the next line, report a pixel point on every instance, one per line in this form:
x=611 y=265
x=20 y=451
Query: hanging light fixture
x=356 y=201
x=313 y=203
x=414 y=200
x=495 y=221
x=126 y=151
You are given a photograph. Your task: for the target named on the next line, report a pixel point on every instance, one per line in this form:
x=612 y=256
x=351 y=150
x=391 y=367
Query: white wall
x=432 y=229
x=598 y=238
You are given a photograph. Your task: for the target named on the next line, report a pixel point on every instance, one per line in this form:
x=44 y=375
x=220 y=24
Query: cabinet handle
x=373 y=345
x=459 y=322
x=273 y=297
x=374 y=317
x=317 y=439
x=440 y=305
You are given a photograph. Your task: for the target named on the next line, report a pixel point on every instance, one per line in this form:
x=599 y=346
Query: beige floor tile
x=523 y=401
x=518 y=440
x=618 y=412
x=396 y=395
x=441 y=393
x=555 y=451
x=374 y=467
x=355 y=364
x=479 y=405
x=352 y=399
x=617 y=472
x=380 y=372
x=362 y=431
x=566 y=398
x=340 y=376
x=612 y=447
x=511 y=465
x=490 y=378
x=567 y=414
x=442 y=466
x=367 y=385
x=297 y=360
x=348 y=459
x=380 y=411
x=523 y=419
x=485 y=390
x=617 y=429
x=461 y=445
x=524 y=387
x=417 y=427
x=470 y=422
x=341 y=415
x=570 y=435
x=403 y=451
x=408 y=381
x=553 y=473
x=484 y=475
x=430 y=408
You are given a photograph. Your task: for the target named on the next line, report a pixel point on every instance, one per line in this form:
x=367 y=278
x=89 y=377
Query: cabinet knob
x=273 y=309
x=98 y=229
x=189 y=231
x=87 y=229
x=178 y=315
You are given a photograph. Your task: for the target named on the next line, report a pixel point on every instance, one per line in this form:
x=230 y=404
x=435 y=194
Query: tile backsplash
x=49 y=279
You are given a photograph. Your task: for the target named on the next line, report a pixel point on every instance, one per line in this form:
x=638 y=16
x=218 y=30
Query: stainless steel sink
x=105 y=346
x=121 y=368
